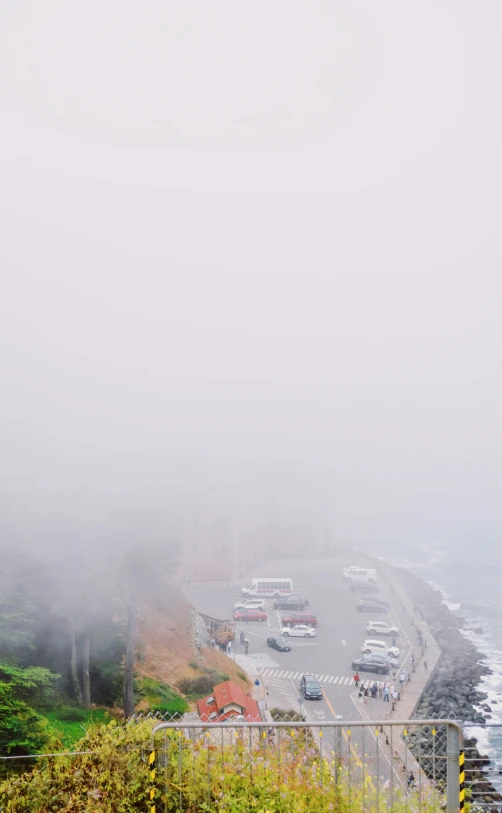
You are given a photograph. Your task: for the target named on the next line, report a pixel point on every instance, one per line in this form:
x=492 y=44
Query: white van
x=358 y=575
x=372 y=647
x=275 y=588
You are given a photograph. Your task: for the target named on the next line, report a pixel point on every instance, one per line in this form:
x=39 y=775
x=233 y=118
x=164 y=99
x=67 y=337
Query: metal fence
x=483 y=779
x=405 y=766
x=362 y=767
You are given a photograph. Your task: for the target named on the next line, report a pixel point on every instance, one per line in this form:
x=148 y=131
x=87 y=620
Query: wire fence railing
x=355 y=766
x=191 y=764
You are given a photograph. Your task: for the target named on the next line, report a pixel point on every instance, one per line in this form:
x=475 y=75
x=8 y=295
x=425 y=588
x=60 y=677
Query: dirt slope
x=166 y=644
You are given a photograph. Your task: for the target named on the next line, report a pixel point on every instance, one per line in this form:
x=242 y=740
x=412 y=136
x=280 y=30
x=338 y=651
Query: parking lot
x=328 y=655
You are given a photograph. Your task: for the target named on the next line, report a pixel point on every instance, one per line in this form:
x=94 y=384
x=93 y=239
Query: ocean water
x=471 y=583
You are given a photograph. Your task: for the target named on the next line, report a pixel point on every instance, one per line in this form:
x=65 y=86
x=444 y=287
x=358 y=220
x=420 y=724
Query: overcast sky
x=255 y=243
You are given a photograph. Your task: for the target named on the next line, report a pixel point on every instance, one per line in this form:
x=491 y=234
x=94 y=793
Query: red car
x=300 y=618
x=250 y=615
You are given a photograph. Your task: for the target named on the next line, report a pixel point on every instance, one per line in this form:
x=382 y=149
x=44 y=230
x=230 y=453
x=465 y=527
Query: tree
x=143 y=572
x=22 y=730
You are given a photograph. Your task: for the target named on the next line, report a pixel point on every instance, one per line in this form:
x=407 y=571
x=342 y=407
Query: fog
x=251 y=256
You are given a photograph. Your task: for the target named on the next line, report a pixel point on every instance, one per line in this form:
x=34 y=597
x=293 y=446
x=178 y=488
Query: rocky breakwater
x=452 y=691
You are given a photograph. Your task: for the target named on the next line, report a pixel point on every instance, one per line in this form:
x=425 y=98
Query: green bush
x=161 y=697
x=202 y=685
x=72 y=714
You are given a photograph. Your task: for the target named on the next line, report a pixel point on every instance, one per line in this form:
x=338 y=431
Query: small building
x=222 y=631
x=227 y=701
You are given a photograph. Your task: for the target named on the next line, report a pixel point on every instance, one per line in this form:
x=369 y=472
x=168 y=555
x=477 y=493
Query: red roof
x=225 y=694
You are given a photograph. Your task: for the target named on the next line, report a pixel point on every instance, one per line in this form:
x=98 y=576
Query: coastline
x=452 y=690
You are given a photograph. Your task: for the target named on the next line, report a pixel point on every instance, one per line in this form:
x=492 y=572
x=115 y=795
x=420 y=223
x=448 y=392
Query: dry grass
x=166 y=647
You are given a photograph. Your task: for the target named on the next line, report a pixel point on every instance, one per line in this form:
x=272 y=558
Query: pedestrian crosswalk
x=339 y=680
x=285 y=687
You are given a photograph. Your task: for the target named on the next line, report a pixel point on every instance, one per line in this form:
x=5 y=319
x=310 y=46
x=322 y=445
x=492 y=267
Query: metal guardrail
x=372 y=766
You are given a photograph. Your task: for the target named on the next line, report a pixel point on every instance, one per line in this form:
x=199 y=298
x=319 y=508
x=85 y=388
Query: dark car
x=372 y=663
x=371 y=606
x=310 y=688
x=378 y=600
x=291 y=603
x=279 y=643
x=300 y=618
x=250 y=615
x=364 y=587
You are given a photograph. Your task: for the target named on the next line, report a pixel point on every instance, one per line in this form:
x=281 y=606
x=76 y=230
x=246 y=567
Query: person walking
x=386 y=694
x=356 y=680
x=402 y=679
x=374 y=690
x=246 y=646
x=380 y=689
x=229 y=648
x=425 y=666
x=413 y=659
x=213 y=643
x=411 y=779
x=360 y=696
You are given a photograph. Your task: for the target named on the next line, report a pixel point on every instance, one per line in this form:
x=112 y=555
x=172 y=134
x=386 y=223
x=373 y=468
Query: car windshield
x=312 y=684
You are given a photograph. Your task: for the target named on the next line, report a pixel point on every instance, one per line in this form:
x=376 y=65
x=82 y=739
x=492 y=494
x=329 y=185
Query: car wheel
x=367 y=651
x=277 y=595
x=286 y=634
x=261 y=619
x=380 y=671
x=307 y=635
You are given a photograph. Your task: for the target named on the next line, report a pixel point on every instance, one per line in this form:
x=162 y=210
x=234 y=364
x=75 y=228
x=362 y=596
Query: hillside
x=169 y=640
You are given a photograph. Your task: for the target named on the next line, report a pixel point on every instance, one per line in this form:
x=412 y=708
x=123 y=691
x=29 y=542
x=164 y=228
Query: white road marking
x=285 y=674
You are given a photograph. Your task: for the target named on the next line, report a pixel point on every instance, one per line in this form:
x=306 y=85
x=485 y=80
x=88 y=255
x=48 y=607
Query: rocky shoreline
x=452 y=691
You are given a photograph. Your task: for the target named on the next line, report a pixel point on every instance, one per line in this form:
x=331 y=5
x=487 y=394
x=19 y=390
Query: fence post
x=454 y=790
x=151 y=772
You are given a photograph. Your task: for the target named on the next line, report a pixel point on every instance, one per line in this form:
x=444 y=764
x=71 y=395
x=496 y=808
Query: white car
x=381 y=628
x=299 y=631
x=372 y=647
x=251 y=604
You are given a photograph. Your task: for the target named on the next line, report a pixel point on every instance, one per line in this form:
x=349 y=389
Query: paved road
x=338 y=637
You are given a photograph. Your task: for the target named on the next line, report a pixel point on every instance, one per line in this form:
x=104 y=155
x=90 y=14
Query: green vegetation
x=69 y=724
x=68 y=633
x=22 y=729
x=197 y=777
x=161 y=697
x=202 y=685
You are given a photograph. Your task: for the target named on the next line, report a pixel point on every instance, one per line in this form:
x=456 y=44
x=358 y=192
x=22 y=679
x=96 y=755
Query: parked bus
x=268 y=587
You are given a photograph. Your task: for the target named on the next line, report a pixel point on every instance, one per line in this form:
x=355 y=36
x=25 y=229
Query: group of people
x=382 y=690
x=226 y=646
